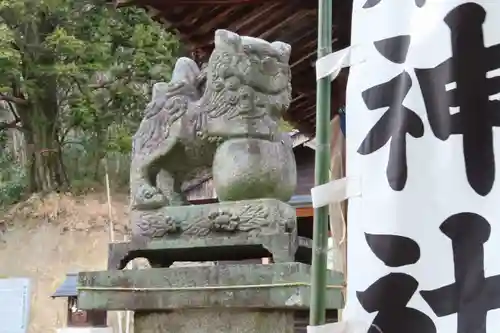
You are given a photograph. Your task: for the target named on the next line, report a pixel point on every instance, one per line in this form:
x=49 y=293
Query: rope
x=201 y=288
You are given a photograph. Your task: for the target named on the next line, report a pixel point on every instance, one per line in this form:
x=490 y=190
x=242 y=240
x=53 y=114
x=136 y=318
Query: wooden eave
x=290 y=21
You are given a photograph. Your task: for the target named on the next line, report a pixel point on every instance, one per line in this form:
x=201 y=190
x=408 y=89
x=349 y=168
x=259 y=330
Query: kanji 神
x=393 y=126
x=373 y=3
x=472 y=295
x=389 y=295
x=461 y=82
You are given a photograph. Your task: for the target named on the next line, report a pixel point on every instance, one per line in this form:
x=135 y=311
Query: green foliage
x=285 y=126
x=80 y=71
x=12 y=179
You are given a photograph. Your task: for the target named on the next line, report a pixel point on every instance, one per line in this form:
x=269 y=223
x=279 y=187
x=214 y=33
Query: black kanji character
x=472 y=295
x=373 y=3
x=393 y=250
x=396 y=122
x=390 y=294
x=466 y=69
x=395 y=48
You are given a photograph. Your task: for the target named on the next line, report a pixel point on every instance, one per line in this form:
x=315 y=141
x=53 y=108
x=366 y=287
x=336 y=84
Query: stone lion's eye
x=226 y=58
x=233 y=83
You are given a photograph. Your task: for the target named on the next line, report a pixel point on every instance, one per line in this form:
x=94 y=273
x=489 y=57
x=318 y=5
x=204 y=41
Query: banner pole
x=317 y=313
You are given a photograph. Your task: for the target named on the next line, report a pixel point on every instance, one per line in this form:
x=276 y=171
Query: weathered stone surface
x=163 y=252
x=254 y=168
x=214 y=321
x=250 y=217
x=281 y=286
x=243 y=93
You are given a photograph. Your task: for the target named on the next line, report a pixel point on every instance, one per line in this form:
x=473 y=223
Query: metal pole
x=321 y=171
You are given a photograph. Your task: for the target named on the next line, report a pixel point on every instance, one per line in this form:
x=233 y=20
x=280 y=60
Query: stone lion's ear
x=185 y=70
x=284 y=50
x=225 y=38
x=159 y=89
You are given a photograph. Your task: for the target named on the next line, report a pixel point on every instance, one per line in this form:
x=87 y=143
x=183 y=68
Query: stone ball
x=248 y=168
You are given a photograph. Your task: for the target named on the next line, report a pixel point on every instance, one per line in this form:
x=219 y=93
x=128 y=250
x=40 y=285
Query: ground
x=45 y=238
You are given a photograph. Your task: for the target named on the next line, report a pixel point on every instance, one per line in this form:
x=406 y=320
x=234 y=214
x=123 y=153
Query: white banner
x=423 y=137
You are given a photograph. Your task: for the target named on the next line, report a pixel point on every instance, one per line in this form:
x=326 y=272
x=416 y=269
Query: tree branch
x=13 y=111
x=11 y=124
x=102 y=85
x=125 y=75
x=12 y=99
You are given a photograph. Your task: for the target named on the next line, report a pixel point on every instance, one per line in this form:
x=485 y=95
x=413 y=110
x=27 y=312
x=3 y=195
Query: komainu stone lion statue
x=242 y=93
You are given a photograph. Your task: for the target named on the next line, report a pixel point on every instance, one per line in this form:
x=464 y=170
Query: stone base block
x=214 y=321
x=282 y=286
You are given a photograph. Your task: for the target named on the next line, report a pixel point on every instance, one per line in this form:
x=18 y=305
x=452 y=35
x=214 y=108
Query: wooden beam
x=309 y=33
x=312 y=114
x=258 y=26
x=259 y=14
x=297 y=16
x=298 y=97
x=304 y=211
x=304 y=58
x=260 y=11
x=307 y=56
x=306 y=103
x=193 y=17
x=209 y=26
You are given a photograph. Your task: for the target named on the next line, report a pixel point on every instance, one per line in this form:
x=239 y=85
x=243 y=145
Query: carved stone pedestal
x=214 y=321
x=250 y=217
x=247 y=229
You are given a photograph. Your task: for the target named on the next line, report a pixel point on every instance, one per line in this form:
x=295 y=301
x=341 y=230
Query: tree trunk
x=40 y=116
x=44 y=166
x=40 y=120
